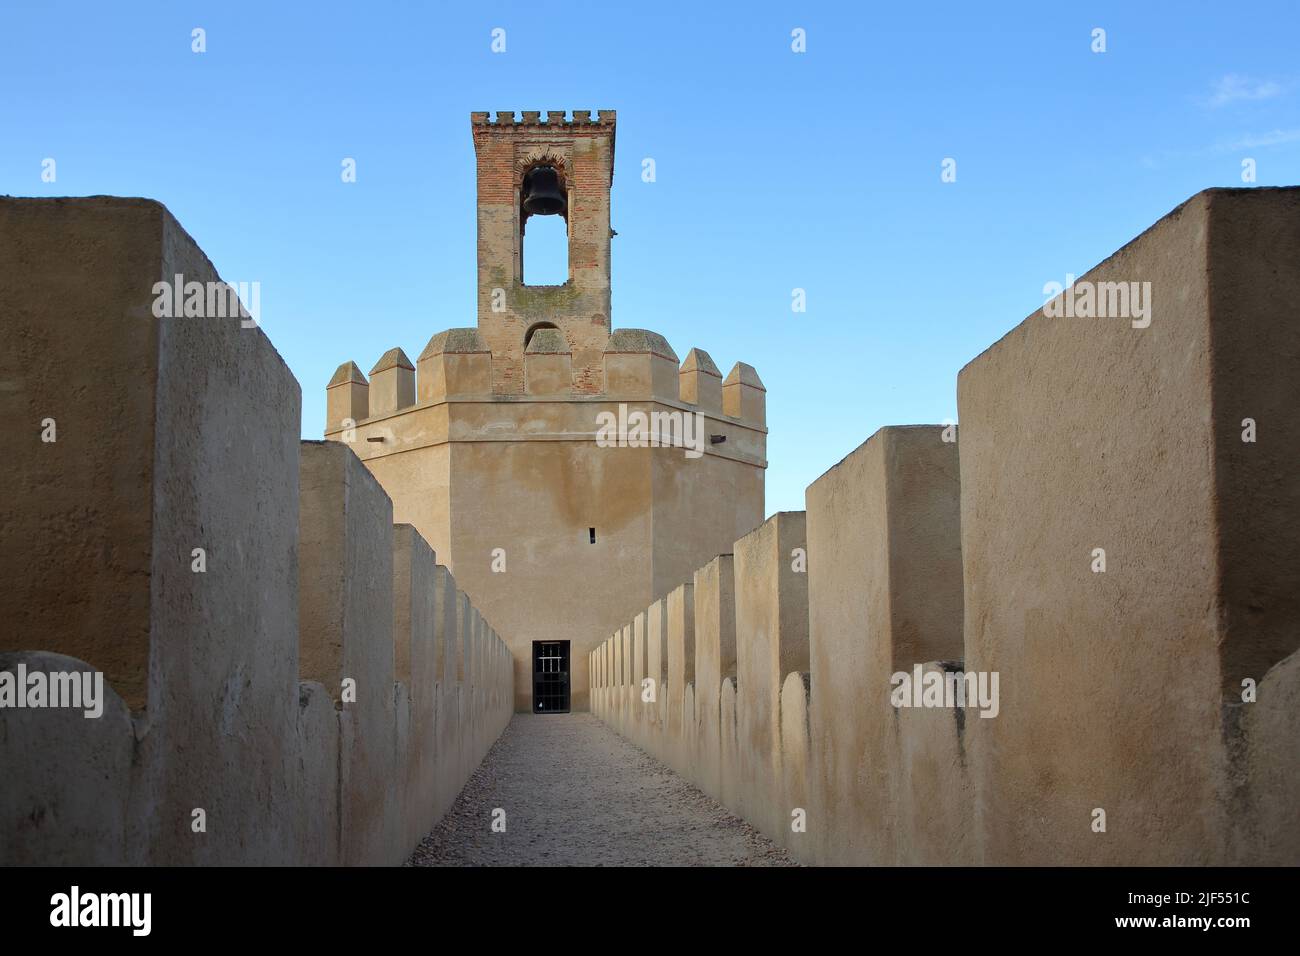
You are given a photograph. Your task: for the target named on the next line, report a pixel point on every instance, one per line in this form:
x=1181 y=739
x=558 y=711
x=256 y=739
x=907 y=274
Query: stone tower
x=495 y=443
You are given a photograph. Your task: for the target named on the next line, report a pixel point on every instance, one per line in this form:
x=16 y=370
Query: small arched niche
x=533 y=329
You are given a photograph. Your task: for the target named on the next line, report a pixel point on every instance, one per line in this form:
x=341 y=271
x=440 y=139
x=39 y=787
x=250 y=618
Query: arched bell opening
x=543 y=248
x=544 y=193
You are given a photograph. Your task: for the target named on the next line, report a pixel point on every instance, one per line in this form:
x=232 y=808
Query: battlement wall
x=291 y=677
x=580 y=120
x=268 y=641
x=456 y=366
x=1103 y=558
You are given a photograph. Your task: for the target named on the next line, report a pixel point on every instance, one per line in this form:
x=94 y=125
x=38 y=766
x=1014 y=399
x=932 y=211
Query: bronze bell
x=543 y=195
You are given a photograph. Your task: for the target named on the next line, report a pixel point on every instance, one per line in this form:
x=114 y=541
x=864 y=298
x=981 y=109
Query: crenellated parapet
x=637 y=365
x=266 y=640
x=555 y=119
x=1123 y=585
x=1060 y=638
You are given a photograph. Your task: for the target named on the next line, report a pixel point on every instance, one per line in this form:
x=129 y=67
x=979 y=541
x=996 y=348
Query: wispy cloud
x=1234 y=87
x=1255 y=141
x=1277 y=137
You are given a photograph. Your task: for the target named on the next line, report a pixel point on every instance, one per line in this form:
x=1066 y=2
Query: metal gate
x=550 y=677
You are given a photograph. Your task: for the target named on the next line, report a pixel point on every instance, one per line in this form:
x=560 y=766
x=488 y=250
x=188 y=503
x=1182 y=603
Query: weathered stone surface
x=1176 y=659
x=173 y=433
x=182 y=434
x=66 y=798
x=1083 y=434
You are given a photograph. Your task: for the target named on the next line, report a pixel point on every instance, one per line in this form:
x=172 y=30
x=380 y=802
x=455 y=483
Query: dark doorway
x=550 y=677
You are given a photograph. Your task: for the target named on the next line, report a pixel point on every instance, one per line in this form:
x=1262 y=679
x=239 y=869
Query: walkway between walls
x=574 y=792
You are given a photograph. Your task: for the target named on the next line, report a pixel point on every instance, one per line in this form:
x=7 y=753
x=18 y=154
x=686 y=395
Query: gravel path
x=576 y=793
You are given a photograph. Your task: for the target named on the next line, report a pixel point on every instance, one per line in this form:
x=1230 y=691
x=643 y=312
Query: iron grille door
x=550 y=677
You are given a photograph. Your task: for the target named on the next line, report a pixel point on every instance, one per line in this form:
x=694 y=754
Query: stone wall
x=284 y=703
x=1114 y=537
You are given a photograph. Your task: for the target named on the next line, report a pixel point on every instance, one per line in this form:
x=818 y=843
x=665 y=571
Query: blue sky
x=775 y=170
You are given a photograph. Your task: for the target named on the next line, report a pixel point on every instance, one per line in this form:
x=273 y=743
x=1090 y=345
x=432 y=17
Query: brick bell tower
x=534 y=168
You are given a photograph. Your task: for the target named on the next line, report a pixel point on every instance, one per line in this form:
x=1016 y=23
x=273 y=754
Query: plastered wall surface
x=227 y=733
x=1111 y=532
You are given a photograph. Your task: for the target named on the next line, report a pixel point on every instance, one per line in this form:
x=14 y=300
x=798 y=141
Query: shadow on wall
x=275 y=653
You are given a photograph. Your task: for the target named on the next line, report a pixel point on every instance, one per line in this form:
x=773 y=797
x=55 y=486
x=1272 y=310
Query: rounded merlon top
x=454 y=340
x=640 y=340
